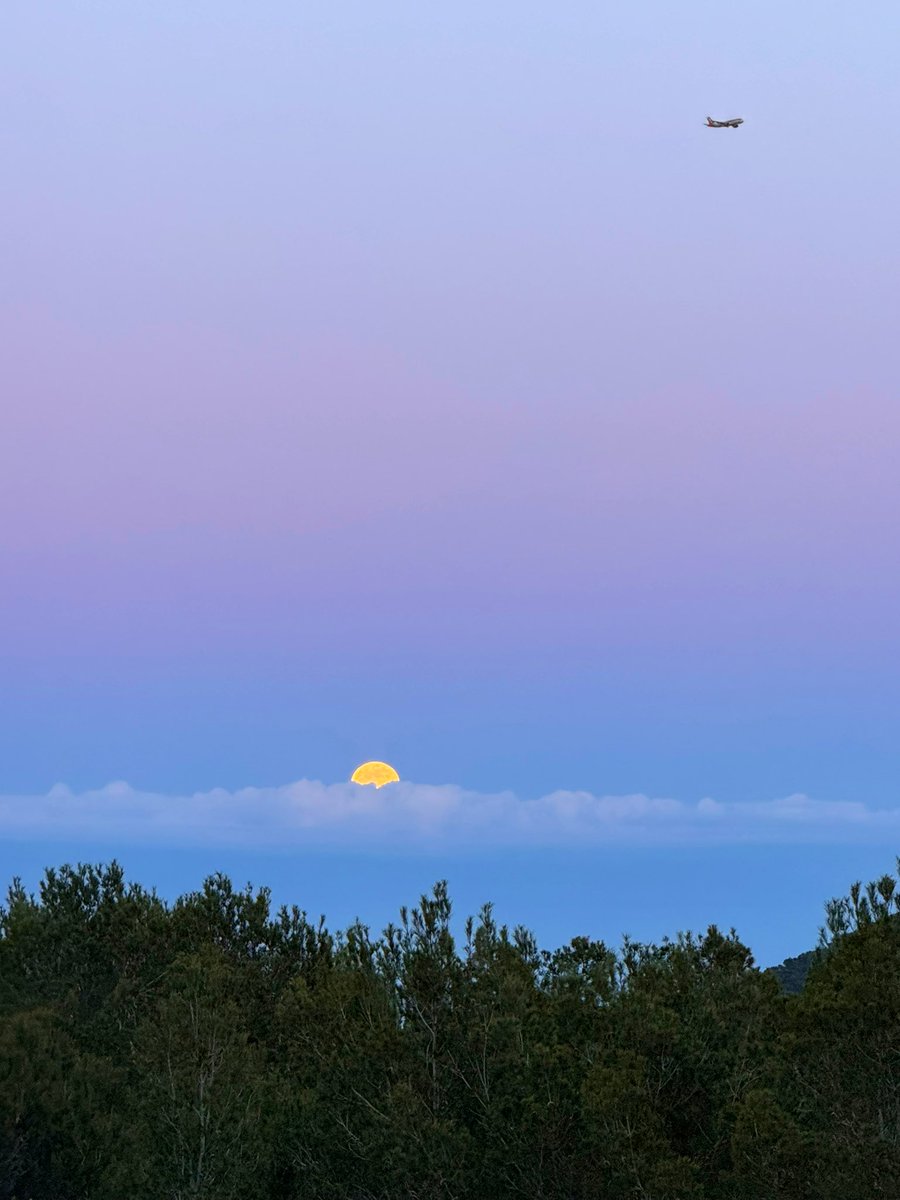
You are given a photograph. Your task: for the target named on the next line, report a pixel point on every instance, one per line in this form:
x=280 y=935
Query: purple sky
x=387 y=381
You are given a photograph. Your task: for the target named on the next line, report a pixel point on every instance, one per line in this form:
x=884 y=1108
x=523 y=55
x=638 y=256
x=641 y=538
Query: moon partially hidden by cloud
x=378 y=773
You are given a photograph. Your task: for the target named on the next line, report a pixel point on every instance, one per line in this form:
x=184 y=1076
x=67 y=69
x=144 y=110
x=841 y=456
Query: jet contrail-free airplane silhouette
x=732 y=124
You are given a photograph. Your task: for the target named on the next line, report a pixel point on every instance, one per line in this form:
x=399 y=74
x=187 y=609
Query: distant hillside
x=791 y=974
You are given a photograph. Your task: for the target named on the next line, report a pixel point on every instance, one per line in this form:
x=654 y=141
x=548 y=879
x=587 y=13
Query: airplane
x=732 y=124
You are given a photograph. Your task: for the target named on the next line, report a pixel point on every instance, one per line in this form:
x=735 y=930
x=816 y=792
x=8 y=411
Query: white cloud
x=414 y=817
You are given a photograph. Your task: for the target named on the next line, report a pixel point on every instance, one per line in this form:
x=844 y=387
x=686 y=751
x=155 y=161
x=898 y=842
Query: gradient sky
x=427 y=383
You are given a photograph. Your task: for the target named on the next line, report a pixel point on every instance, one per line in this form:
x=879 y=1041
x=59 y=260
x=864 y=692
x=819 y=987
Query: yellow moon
x=378 y=773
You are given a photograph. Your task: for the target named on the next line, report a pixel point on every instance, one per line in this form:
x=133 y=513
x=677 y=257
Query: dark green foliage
x=213 y=1050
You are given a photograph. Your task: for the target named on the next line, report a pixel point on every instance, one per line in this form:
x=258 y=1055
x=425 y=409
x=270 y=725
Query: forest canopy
x=214 y=1048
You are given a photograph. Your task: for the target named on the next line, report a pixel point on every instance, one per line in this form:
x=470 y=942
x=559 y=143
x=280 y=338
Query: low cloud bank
x=415 y=817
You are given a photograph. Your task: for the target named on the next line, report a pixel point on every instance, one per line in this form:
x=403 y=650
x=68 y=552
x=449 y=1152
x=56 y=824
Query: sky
x=428 y=384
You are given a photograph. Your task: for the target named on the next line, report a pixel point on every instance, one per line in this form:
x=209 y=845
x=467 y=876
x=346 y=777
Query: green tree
x=844 y=1048
x=214 y=1050
x=196 y=1113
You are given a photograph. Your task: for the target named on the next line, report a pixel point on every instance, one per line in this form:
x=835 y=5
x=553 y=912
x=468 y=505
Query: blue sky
x=430 y=385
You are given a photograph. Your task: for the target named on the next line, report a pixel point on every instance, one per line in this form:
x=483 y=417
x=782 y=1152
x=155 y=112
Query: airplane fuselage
x=732 y=124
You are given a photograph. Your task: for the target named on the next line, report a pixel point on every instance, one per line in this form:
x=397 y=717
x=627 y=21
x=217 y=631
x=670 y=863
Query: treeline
x=214 y=1049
